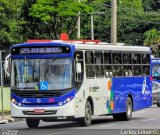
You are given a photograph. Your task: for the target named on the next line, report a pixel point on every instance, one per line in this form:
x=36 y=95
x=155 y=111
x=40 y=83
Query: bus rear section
x=155 y=70
x=117 y=79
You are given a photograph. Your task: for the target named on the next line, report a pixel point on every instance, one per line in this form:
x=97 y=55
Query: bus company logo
x=145 y=89
x=39 y=100
x=24 y=100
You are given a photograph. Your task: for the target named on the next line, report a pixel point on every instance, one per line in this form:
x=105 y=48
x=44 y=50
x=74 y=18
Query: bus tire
x=158 y=104
x=126 y=116
x=129 y=108
x=86 y=121
x=32 y=123
x=117 y=117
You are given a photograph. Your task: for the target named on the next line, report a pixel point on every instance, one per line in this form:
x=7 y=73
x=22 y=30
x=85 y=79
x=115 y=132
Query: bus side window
x=136 y=58
x=145 y=58
x=146 y=70
x=128 y=71
x=127 y=58
x=108 y=70
x=117 y=58
x=117 y=70
x=98 y=58
x=79 y=59
x=107 y=58
x=89 y=57
x=98 y=64
x=137 y=70
x=90 y=68
x=107 y=64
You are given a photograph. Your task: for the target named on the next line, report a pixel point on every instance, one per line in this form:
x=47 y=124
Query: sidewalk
x=7 y=118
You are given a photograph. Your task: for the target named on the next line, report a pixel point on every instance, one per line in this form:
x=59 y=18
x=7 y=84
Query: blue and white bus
x=55 y=81
x=155 y=70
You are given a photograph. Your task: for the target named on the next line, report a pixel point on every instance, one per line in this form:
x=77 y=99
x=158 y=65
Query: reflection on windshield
x=156 y=70
x=30 y=73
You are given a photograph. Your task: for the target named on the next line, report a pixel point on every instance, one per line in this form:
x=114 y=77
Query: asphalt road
x=144 y=119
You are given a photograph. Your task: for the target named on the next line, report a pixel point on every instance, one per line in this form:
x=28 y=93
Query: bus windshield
x=156 y=70
x=30 y=73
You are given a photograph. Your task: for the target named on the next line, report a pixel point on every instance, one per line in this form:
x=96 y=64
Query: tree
x=151 y=5
x=59 y=15
x=130 y=22
x=152 y=39
x=102 y=21
x=9 y=23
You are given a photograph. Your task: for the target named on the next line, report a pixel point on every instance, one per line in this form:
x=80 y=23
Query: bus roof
x=79 y=46
x=112 y=47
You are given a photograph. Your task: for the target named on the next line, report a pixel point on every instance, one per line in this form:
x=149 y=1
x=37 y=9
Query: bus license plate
x=39 y=110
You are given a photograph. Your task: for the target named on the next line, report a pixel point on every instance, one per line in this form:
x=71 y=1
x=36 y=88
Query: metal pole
x=114 y=22
x=92 y=28
x=79 y=25
x=1 y=67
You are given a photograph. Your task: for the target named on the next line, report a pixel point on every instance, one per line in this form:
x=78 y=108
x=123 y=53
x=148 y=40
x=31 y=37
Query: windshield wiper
x=51 y=60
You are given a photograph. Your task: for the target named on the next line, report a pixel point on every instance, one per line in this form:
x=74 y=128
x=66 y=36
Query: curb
x=17 y=119
x=4 y=121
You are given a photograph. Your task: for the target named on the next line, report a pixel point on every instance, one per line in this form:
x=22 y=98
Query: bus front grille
x=41 y=95
x=50 y=112
x=36 y=94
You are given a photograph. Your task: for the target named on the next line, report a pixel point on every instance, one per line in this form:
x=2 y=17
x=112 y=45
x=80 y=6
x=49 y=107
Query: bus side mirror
x=78 y=68
x=7 y=65
x=111 y=74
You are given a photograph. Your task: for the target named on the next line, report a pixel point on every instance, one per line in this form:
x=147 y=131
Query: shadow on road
x=95 y=122
x=74 y=124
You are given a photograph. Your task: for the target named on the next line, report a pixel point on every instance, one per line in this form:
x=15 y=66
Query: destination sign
x=155 y=61
x=41 y=50
x=26 y=85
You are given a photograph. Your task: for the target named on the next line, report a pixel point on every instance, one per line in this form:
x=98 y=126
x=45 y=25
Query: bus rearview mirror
x=7 y=65
x=78 y=68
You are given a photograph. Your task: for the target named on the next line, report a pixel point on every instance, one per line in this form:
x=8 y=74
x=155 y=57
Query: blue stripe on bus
x=41 y=56
x=138 y=87
x=51 y=101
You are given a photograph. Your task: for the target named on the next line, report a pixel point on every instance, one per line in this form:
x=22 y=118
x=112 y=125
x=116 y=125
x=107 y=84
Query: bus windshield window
x=156 y=70
x=29 y=73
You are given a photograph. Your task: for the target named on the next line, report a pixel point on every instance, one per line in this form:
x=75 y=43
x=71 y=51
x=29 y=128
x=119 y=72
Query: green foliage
x=47 y=19
x=8 y=22
x=153 y=17
x=130 y=22
x=152 y=37
x=60 y=15
x=150 y=5
x=131 y=5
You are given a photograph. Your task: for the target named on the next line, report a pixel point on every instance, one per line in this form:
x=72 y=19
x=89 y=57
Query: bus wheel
x=86 y=121
x=127 y=115
x=158 y=104
x=117 y=117
x=32 y=123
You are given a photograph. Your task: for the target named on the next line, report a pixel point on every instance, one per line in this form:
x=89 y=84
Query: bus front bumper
x=65 y=111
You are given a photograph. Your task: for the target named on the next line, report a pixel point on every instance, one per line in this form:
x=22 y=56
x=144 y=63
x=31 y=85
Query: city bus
x=59 y=81
x=155 y=70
